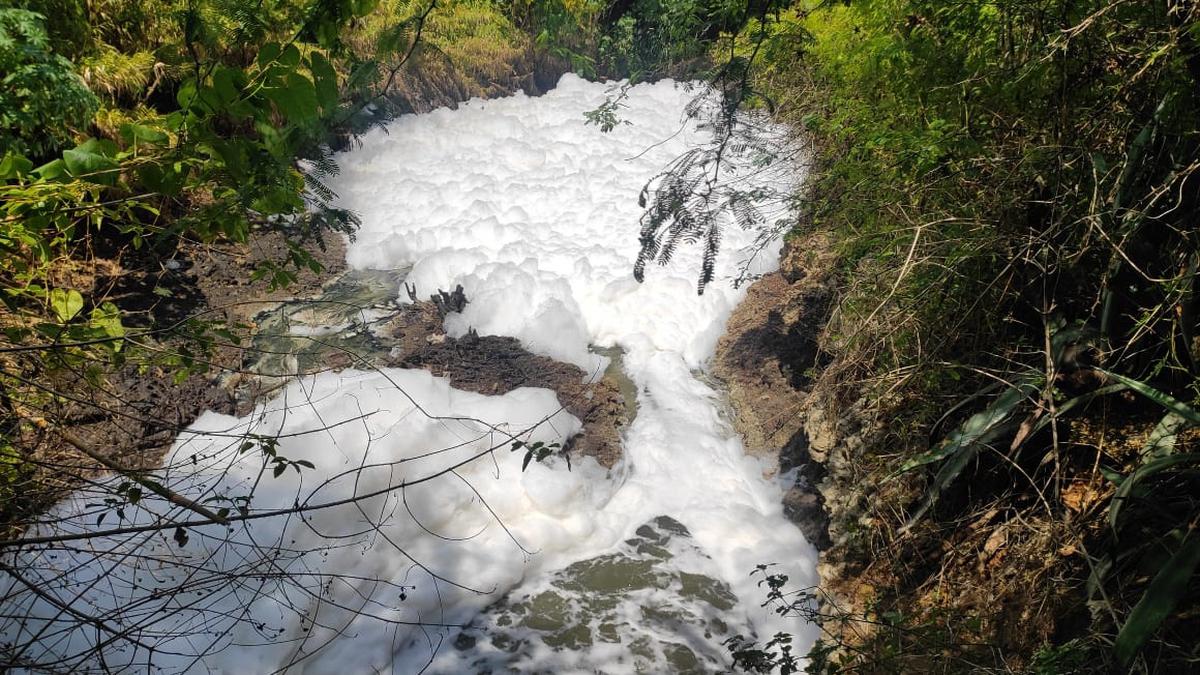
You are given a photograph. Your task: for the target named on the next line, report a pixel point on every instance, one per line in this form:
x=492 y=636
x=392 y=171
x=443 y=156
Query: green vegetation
x=1012 y=187
x=130 y=129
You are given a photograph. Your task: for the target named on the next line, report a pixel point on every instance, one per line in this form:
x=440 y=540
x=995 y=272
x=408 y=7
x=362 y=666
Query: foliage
x=219 y=123
x=700 y=193
x=655 y=38
x=43 y=103
x=1010 y=186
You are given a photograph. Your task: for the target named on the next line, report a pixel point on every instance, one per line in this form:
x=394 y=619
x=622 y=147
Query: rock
x=766 y=359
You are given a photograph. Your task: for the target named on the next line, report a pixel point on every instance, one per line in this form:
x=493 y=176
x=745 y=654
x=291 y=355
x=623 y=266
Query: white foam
x=536 y=216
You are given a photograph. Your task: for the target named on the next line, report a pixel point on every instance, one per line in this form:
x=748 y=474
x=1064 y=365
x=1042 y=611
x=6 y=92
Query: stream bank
x=989 y=590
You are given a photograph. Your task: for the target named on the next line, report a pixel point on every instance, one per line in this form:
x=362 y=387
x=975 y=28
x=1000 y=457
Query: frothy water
x=644 y=568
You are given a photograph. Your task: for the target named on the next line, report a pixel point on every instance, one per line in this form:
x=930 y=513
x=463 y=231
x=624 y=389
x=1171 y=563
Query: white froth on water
x=536 y=215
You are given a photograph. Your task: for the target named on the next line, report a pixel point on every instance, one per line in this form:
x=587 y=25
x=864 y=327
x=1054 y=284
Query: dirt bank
x=987 y=582
x=766 y=359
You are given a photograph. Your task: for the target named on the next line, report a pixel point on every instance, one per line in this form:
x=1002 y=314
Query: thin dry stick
x=131 y=474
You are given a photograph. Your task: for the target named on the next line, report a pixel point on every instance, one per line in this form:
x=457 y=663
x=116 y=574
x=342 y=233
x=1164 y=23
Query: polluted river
x=418 y=526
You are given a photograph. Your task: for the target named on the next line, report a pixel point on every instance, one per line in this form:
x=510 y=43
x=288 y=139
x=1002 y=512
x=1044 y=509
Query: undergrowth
x=1012 y=188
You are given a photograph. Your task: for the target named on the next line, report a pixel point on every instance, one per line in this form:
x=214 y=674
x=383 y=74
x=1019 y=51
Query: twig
x=132 y=474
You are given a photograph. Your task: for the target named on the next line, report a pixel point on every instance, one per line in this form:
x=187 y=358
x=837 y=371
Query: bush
x=43 y=102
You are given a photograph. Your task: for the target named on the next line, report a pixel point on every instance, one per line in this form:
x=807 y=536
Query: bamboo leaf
x=1162 y=439
x=972 y=431
x=1165 y=591
x=1165 y=400
x=1143 y=472
x=962 y=446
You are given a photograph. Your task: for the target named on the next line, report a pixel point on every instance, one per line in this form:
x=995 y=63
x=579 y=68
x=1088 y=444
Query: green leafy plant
x=539 y=451
x=43 y=102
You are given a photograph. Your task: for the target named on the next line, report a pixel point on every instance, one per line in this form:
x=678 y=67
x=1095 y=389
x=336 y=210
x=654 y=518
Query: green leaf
x=107 y=318
x=268 y=53
x=290 y=56
x=1165 y=400
x=186 y=96
x=974 y=430
x=363 y=7
x=1162 y=439
x=52 y=170
x=225 y=84
x=133 y=132
x=91 y=157
x=964 y=444
x=14 y=166
x=296 y=99
x=1156 y=466
x=1168 y=587
x=326 y=81
x=65 y=303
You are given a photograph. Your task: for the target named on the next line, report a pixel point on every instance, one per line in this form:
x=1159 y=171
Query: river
x=412 y=515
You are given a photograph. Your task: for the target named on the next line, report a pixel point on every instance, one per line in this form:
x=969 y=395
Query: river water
x=641 y=568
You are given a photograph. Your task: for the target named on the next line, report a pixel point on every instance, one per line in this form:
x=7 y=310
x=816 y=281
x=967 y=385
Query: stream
x=417 y=539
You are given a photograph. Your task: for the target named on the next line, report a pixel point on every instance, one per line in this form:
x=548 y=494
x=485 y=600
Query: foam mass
x=536 y=215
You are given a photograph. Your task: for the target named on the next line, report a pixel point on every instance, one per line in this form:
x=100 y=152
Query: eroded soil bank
x=986 y=594
x=768 y=361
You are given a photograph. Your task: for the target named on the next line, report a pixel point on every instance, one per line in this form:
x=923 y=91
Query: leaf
x=181 y=537
x=268 y=53
x=107 y=318
x=296 y=99
x=90 y=158
x=226 y=83
x=304 y=463
x=972 y=431
x=1160 y=598
x=52 y=170
x=132 y=132
x=186 y=95
x=280 y=468
x=326 y=81
x=1165 y=400
x=1125 y=490
x=362 y=8
x=14 y=166
x=66 y=303
x=525 y=462
x=289 y=56
x=1162 y=439
x=964 y=444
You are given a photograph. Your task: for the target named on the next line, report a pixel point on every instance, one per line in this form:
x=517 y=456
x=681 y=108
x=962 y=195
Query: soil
x=496 y=365
x=765 y=360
